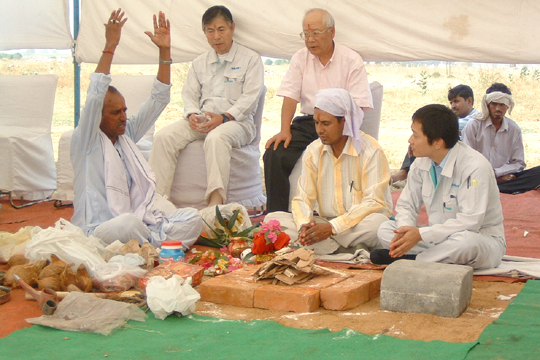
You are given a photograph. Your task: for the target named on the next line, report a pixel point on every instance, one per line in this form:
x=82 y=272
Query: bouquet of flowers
x=269 y=237
x=225 y=229
x=213 y=261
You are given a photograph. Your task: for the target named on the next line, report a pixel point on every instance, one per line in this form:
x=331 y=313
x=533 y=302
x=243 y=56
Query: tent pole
x=76 y=66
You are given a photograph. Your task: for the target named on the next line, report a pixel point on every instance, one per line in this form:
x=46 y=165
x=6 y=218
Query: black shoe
x=382 y=257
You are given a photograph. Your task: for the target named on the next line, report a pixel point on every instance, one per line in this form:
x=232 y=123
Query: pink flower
x=274 y=225
x=272 y=236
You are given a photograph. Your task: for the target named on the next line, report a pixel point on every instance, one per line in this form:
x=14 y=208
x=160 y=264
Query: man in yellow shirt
x=344 y=178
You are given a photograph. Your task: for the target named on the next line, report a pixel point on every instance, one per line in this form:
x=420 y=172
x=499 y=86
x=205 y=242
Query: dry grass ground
x=404 y=92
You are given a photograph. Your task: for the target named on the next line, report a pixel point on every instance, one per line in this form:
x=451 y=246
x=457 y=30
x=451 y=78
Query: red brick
x=286 y=298
x=230 y=291
x=375 y=285
x=245 y=274
x=352 y=292
x=322 y=281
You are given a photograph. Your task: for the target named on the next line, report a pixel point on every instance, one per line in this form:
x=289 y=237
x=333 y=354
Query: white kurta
x=92 y=211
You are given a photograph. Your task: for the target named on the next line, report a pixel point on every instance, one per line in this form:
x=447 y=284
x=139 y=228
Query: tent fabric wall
x=496 y=31
x=34 y=24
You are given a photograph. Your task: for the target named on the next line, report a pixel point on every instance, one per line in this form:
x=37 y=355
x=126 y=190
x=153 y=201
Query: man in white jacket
x=458 y=187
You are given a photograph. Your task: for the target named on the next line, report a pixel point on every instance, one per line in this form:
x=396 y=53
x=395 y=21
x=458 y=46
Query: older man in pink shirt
x=321 y=64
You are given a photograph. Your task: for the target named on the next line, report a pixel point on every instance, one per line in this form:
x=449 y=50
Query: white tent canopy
x=496 y=31
x=34 y=24
x=500 y=31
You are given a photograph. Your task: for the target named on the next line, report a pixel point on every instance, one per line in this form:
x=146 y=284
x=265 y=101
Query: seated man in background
x=499 y=139
x=459 y=190
x=345 y=173
x=115 y=196
x=223 y=85
x=461 y=100
x=321 y=64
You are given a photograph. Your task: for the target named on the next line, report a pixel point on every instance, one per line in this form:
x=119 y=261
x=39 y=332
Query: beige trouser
x=463 y=248
x=361 y=236
x=218 y=144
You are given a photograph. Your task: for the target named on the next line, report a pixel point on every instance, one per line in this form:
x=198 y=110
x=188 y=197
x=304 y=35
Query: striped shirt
x=344 y=189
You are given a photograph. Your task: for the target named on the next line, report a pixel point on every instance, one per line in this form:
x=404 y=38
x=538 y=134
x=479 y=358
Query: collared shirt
x=464 y=120
x=466 y=198
x=438 y=169
x=344 y=189
x=503 y=148
x=307 y=75
x=232 y=86
x=91 y=207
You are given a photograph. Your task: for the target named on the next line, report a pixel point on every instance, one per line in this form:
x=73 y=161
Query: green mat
x=198 y=337
x=516 y=334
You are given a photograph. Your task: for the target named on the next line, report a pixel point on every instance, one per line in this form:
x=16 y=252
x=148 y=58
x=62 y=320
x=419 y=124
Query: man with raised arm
x=322 y=64
x=115 y=197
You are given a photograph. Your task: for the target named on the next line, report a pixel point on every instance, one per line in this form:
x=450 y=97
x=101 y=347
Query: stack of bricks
x=332 y=291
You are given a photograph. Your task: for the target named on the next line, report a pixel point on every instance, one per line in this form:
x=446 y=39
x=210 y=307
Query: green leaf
x=195 y=259
x=219 y=217
x=211 y=228
x=215 y=243
x=232 y=220
x=247 y=231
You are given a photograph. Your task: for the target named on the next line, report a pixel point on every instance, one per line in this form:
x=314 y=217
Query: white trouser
x=362 y=235
x=218 y=144
x=463 y=248
x=183 y=224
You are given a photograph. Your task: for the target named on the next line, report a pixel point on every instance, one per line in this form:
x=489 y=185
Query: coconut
x=67 y=277
x=17 y=260
x=51 y=282
x=83 y=281
x=29 y=273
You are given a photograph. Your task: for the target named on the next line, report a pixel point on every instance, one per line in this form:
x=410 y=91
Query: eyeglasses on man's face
x=315 y=34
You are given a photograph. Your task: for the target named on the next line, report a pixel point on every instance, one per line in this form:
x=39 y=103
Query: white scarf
x=339 y=103
x=498 y=97
x=140 y=198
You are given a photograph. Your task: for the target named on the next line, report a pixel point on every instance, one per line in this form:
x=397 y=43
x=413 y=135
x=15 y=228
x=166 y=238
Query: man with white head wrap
x=344 y=178
x=499 y=139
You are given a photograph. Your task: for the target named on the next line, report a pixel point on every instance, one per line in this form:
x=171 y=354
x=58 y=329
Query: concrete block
x=286 y=298
x=228 y=290
x=352 y=292
x=423 y=287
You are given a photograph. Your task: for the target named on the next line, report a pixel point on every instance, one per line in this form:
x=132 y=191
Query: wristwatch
x=225 y=118
x=166 y=62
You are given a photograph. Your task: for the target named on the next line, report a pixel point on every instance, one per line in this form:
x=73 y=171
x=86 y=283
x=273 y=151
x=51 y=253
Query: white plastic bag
x=13 y=244
x=86 y=313
x=115 y=276
x=209 y=215
x=164 y=296
x=69 y=243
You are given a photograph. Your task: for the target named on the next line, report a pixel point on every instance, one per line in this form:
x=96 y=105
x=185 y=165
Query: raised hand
x=113 y=29
x=162 y=31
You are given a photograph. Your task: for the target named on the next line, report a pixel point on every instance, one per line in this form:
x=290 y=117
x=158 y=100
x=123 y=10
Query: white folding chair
x=27 y=169
x=245 y=182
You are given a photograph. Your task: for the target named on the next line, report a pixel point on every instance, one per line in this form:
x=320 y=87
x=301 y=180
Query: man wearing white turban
x=499 y=139
x=344 y=178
